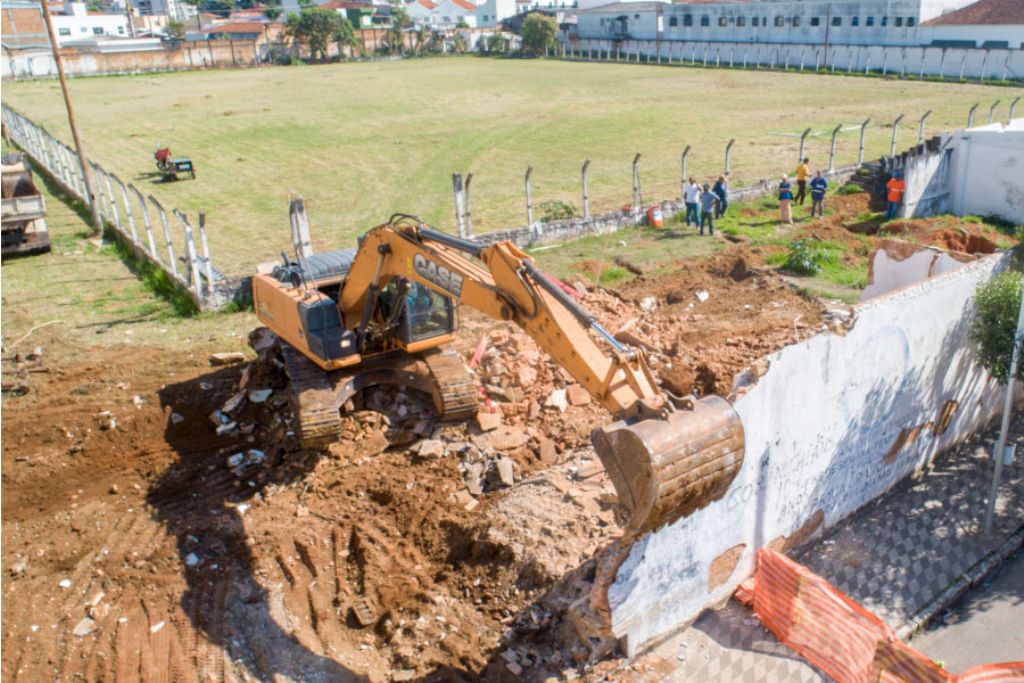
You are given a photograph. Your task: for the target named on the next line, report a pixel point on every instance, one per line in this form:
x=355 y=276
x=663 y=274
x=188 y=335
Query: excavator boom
x=666 y=456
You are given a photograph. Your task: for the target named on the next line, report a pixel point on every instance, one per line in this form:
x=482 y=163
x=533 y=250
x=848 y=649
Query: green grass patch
x=848 y=189
x=613 y=276
x=497 y=116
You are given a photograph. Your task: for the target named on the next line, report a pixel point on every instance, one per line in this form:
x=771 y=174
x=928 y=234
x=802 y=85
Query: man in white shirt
x=692 y=198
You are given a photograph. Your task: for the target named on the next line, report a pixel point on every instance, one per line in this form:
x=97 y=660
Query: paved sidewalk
x=901 y=556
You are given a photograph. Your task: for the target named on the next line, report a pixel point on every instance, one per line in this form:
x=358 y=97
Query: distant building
x=491 y=12
x=75 y=22
x=837 y=22
x=987 y=24
x=174 y=9
x=359 y=14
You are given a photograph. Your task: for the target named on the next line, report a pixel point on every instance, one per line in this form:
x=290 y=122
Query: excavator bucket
x=665 y=469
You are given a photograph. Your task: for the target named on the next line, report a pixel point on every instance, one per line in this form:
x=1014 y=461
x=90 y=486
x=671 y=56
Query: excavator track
x=458 y=390
x=314 y=401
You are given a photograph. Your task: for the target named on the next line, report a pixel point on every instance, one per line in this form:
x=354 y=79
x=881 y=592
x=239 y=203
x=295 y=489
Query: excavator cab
x=417 y=314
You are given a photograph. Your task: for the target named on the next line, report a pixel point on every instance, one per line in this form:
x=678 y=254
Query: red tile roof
x=465 y=4
x=238 y=27
x=983 y=12
x=427 y=3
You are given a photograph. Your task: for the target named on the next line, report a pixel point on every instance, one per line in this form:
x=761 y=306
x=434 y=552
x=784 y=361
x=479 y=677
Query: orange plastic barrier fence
x=841 y=638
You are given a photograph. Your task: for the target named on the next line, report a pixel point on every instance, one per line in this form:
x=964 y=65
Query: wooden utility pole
x=97 y=222
x=128 y=14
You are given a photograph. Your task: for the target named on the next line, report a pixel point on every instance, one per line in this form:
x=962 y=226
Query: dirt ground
x=144 y=539
x=133 y=549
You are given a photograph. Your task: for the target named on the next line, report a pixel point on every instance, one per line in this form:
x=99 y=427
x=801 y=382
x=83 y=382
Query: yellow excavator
x=386 y=313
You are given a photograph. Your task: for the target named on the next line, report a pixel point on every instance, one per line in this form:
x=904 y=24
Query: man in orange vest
x=895 y=186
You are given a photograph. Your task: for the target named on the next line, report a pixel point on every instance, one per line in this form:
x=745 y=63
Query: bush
x=556 y=210
x=997 y=304
x=807 y=257
x=849 y=188
x=539 y=33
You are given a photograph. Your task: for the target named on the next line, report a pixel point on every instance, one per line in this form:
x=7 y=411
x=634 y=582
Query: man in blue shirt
x=818 y=187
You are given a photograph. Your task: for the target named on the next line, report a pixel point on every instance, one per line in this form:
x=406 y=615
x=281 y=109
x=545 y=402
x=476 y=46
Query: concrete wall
x=987 y=171
x=952 y=63
x=190 y=55
x=835 y=422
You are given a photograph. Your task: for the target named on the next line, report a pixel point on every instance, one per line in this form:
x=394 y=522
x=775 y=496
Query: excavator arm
x=666 y=456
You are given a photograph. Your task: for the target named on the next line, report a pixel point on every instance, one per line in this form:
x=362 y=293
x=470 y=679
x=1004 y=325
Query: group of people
x=817 y=184
x=706 y=203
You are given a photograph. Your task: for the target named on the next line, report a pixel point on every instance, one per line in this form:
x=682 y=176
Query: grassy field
x=361 y=141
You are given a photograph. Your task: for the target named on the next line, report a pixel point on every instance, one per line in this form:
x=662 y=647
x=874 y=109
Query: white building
x=76 y=22
x=835 y=22
x=988 y=24
x=174 y=9
x=492 y=12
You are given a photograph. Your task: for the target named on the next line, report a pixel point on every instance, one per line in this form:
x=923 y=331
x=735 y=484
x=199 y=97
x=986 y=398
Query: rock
x=19 y=567
x=233 y=403
x=648 y=303
x=156 y=627
x=262 y=339
x=557 y=399
x=403 y=675
x=236 y=460
x=218 y=418
x=84 y=627
x=474 y=478
x=227 y=428
x=702 y=295
x=260 y=395
x=488 y=421
x=65 y=583
x=546 y=451
x=430 y=448
x=504 y=438
x=113 y=490
x=191 y=560
x=138 y=401
x=577 y=395
x=514 y=668
x=228 y=358
x=177 y=418
x=364 y=612
x=504 y=467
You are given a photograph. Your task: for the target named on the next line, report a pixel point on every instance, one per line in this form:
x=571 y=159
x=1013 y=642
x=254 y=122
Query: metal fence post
x=803 y=139
x=192 y=258
x=110 y=198
x=529 y=197
x=970 y=115
x=920 y=126
x=992 y=110
x=469 y=210
x=895 y=128
x=207 y=265
x=728 y=154
x=682 y=177
x=459 y=210
x=586 y=197
x=127 y=209
x=1013 y=105
x=832 y=149
x=168 y=241
x=146 y=223
x=100 y=197
x=636 y=184
x=860 y=153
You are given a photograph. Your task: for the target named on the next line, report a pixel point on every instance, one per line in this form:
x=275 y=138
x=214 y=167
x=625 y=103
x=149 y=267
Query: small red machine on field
x=172 y=169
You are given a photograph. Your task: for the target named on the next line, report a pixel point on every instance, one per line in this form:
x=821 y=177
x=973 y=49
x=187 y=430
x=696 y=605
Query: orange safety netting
x=840 y=637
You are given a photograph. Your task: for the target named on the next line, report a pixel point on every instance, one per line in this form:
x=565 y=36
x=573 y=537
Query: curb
x=963 y=583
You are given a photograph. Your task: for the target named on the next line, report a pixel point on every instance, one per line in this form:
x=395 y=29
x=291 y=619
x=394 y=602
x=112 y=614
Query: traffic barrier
x=839 y=636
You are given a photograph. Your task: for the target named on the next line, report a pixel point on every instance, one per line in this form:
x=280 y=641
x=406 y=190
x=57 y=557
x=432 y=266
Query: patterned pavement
x=895 y=557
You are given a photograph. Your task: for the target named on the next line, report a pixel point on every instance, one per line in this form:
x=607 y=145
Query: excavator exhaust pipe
x=666 y=469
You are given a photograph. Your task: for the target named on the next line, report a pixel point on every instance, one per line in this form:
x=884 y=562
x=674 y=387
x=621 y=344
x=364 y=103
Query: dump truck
x=386 y=312
x=23 y=218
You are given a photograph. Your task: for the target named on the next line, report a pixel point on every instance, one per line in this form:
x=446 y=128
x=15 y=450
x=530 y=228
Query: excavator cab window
x=428 y=314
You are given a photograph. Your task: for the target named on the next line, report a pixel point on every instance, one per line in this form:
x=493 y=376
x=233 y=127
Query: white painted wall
x=988 y=171
x=489 y=13
x=949 y=63
x=77 y=24
x=1012 y=34
x=818 y=426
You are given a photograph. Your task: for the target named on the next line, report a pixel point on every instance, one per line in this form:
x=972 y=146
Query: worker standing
x=721 y=190
x=785 y=197
x=692 y=198
x=708 y=202
x=818 y=187
x=895 y=187
x=802 y=171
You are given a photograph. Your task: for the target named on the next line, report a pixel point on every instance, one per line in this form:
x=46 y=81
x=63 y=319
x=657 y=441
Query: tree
x=315 y=27
x=495 y=43
x=272 y=13
x=175 y=29
x=344 y=36
x=462 y=23
x=399 y=20
x=997 y=303
x=539 y=31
